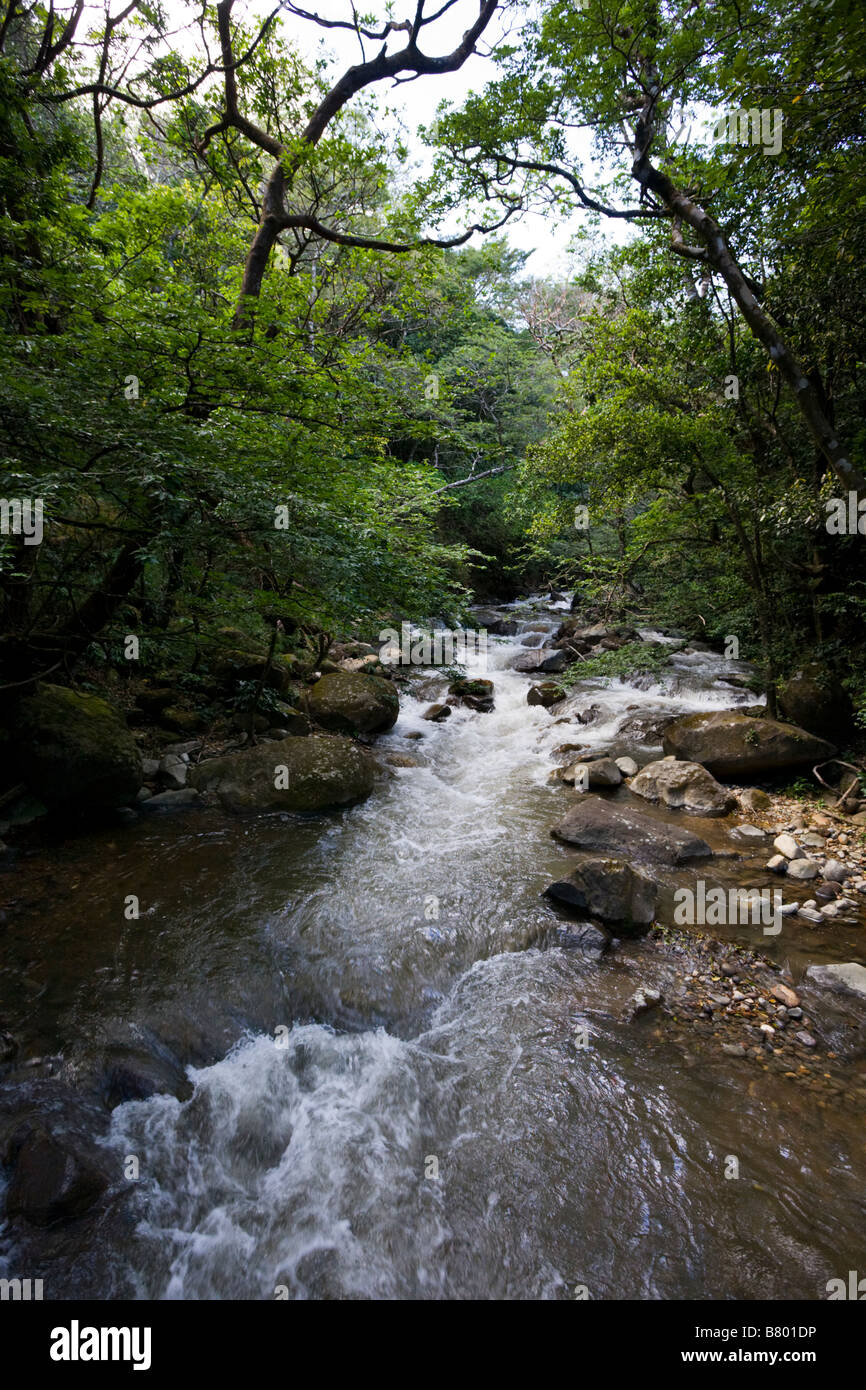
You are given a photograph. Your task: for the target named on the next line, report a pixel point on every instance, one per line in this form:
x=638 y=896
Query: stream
x=387 y=1096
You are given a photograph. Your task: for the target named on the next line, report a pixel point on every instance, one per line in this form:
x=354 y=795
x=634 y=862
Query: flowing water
x=389 y=1096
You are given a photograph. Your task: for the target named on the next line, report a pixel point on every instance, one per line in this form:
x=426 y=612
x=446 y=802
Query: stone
x=627 y=766
x=749 y=834
x=587 y=937
x=810 y=915
x=178 y=800
x=546 y=694
x=785 y=995
x=477 y=694
x=642 y=1001
x=545 y=659
x=834 y=871
x=787 y=845
x=51 y=1181
x=597 y=825
x=732 y=745
x=848 y=978
x=173 y=772
x=601 y=772
x=788 y=909
x=802 y=869
x=298 y=774
x=805 y=1039
x=753 y=799
x=437 y=714
x=734 y=1049
x=683 y=786
x=350 y=702
x=73 y=749
x=609 y=889
x=778 y=864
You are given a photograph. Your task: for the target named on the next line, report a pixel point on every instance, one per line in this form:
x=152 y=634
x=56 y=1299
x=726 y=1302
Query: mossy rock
x=295 y=774
x=72 y=748
x=351 y=703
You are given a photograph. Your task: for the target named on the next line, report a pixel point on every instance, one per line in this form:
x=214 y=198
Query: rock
x=734 y=745
x=149 y=768
x=812 y=841
x=349 y=702
x=627 y=766
x=502 y=627
x=594 y=824
x=753 y=799
x=609 y=889
x=135 y=1074
x=809 y=914
x=778 y=864
x=642 y=1001
x=477 y=694
x=437 y=713
x=834 y=871
x=685 y=786
x=173 y=771
x=815 y=699
x=182 y=721
x=787 y=845
x=545 y=659
x=846 y=979
x=802 y=869
x=8 y=1047
x=587 y=937
x=74 y=749
x=178 y=800
x=401 y=760
x=601 y=772
x=546 y=694
x=788 y=909
x=749 y=834
x=734 y=1049
x=785 y=995
x=805 y=1039
x=51 y=1181
x=299 y=774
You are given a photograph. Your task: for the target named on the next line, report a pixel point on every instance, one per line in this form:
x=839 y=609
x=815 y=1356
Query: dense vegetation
x=255 y=381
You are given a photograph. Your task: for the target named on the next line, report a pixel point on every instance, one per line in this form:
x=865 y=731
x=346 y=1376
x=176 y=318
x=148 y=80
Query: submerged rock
x=546 y=694
x=51 y=1179
x=683 y=785
x=733 y=745
x=297 y=774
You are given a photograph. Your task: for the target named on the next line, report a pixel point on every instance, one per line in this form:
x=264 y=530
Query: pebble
x=803 y=869
x=806 y=1039
x=788 y=847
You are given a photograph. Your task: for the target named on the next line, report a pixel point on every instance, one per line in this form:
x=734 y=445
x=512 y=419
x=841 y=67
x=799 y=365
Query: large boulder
x=609 y=889
x=544 y=659
x=72 y=748
x=594 y=824
x=737 y=746
x=836 y=996
x=294 y=774
x=816 y=700
x=683 y=786
x=351 y=703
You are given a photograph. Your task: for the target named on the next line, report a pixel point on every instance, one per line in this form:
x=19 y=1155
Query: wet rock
x=683 y=785
x=587 y=937
x=802 y=869
x=810 y=915
x=785 y=995
x=51 y=1180
x=74 y=749
x=805 y=1039
x=734 y=1049
x=594 y=824
x=787 y=846
x=401 y=760
x=642 y=1001
x=609 y=889
x=349 y=702
x=477 y=694
x=778 y=864
x=173 y=772
x=734 y=745
x=437 y=714
x=753 y=799
x=601 y=772
x=749 y=834
x=8 y=1046
x=179 y=800
x=546 y=694
x=299 y=774
x=846 y=979
x=133 y=1074
x=545 y=659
